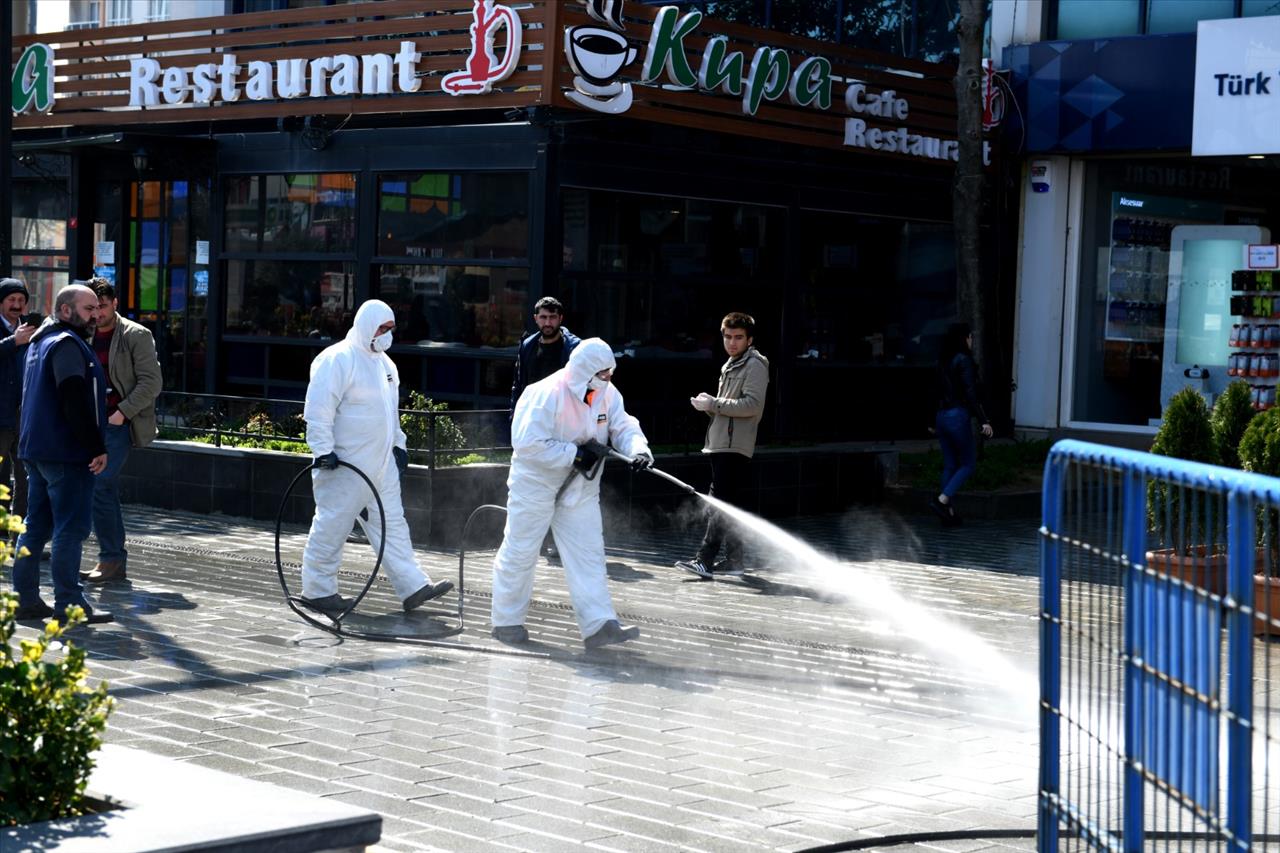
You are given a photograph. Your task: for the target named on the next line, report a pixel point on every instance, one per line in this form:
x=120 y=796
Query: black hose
x=289 y=598
x=334 y=625
x=921 y=838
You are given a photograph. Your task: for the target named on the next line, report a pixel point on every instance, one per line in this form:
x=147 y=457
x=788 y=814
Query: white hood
x=587 y=359
x=371 y=315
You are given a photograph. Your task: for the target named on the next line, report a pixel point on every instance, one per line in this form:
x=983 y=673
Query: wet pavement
x=756 y=714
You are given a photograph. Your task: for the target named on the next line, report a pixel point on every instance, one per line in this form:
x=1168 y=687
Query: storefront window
x=477 y=306
x=40 y=215
x=653 y=274
x=1180 y=16
x=473 y=215
x=40 y=212
x=1148 y=235
x=301 y=213
x=1082 y=19
x=311 y=299
x=881 y=291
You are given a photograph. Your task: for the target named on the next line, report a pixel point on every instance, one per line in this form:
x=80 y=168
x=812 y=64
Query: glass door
x=164 y=274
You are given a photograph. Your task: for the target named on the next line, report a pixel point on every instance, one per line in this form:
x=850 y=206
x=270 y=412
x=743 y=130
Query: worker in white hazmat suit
x=352 y=415
x=559 y=431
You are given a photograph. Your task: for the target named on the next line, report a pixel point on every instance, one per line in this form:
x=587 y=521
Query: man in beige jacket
x=735 y=413
x=127 y=352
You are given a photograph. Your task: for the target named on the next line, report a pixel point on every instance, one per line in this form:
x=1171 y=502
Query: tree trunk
x=969 y=178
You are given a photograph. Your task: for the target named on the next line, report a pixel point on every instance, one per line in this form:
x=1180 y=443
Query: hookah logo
x=597 y=55
x=483 y=68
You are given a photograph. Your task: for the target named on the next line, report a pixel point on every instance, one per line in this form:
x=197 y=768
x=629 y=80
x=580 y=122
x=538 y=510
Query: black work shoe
x=330 y=605
x=724 y=567
x=696 y=566
x=945 y=512
x=553 y=557
x=611 y=632
x=511 y=634
x=39 y=610
x=428 y=592
x=91 y=616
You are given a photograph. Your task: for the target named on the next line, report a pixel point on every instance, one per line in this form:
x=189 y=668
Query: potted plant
x=1183 y=523
x=1260 y=453
x=1231 y=416
x=53 y=723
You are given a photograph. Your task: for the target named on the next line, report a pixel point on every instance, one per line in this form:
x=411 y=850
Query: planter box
x=168 y=805
x=249 y=483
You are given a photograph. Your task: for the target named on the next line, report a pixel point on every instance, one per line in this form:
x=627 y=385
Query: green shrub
x=52 y=723
x=418 y=429
x=1231 y=416
x=1001 y=465
x=1260 y=446
x=1185 y=433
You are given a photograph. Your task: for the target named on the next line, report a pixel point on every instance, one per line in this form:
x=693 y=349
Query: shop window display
x=1122 y=316
x=653 y=274
x=309 y=299
x=472 y=305
x=40 y=239
x=882 y=290
x=273 y=228
x=473 y=215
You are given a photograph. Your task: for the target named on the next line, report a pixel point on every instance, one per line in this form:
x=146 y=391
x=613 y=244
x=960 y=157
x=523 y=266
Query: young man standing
x=735 y=413
x=127 y=352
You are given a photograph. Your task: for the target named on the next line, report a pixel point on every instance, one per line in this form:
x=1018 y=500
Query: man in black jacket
x=63 y=444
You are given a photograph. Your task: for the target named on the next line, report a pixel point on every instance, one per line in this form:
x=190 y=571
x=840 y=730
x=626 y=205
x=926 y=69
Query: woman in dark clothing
x=957 y=403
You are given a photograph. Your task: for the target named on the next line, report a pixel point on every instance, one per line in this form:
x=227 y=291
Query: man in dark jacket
x=546 y=350
x=14 y=337
x=63 y=443
x=542 y=354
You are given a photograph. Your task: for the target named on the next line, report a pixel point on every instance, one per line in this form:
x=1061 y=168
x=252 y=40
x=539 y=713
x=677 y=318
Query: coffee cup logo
x=597 y=56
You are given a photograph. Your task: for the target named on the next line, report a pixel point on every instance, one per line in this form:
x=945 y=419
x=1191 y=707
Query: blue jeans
x=959 y=452
x=59 y=507
x=108 y=523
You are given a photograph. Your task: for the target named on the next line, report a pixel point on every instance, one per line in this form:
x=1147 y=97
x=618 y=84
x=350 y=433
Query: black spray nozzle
x=678 y=483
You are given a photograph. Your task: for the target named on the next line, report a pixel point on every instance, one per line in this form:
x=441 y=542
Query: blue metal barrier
x=1157 y=715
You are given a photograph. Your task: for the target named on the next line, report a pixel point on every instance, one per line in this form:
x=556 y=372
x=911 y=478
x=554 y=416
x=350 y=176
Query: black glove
x=589 y=453
x=641 y=461
x=402 y=458
x=329 y=461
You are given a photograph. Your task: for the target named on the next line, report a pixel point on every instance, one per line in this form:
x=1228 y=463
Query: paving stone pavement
x=765 y=714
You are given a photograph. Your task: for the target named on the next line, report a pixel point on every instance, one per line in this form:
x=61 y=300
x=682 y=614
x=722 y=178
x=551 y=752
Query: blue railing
x=1158 y=713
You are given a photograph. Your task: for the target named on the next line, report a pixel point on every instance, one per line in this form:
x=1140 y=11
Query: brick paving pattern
x=751 y=715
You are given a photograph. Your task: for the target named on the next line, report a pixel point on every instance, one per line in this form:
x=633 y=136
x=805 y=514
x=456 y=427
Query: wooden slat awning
x=92 y=86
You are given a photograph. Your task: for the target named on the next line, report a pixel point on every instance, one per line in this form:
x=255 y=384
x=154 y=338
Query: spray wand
x=680 y=484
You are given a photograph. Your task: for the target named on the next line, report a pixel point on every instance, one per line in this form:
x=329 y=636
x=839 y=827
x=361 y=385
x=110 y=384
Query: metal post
x=1241 y=545
x=1050 y=654
x=1134 y=499
x=6 y=141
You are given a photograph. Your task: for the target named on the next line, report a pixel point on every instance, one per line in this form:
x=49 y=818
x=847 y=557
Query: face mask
x=381 y=343
x=595 y=383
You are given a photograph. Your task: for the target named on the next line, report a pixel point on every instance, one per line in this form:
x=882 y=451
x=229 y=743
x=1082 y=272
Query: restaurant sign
x=598 y=53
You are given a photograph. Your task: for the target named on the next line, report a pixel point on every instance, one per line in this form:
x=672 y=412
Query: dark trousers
x=730 y=474
x=10 y=466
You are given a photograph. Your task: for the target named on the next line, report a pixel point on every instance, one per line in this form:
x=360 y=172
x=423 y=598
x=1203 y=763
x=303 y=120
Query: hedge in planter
x=1185 y=433
x=1231 y=417
x=1260 y=453
x=52 y=723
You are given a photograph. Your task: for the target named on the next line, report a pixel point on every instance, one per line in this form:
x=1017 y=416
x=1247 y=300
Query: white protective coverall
x=550 y=421
x=352 y=410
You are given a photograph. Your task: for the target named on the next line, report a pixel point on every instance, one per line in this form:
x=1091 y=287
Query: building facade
x=248 y=187
x=1130 y=231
